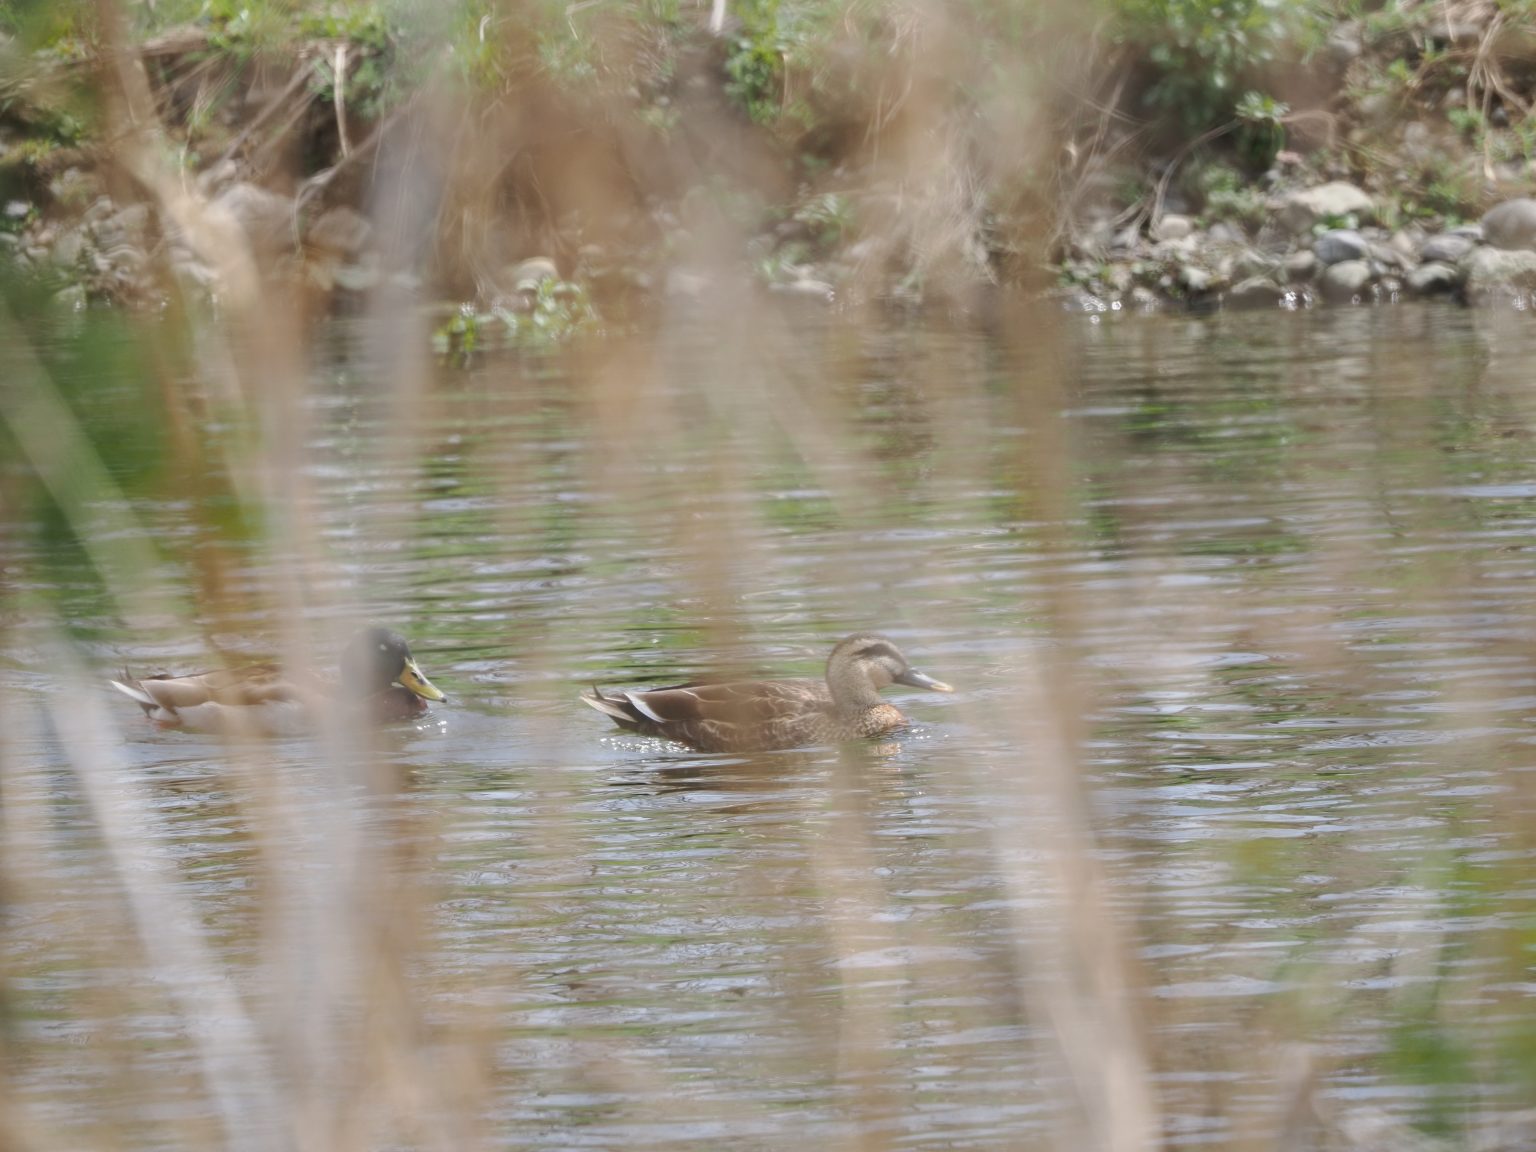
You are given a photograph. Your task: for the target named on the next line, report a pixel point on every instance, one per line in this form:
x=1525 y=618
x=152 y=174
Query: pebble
x=1250 y=264
x=1301 y=265
x=1300 y=211
x=67 y=248
x=816 y=289
x=1340 y=244
x=1446 y=248
x=1170 y=251
x=357 y=277
x=340 y=230
x=527 y=275
x=1494 y=272
x=265 y=217
x=1433 y=278
x=1512 y=224
x=1195 y=280
x=71 y=298
x=1345 y=280
x=1173 y=227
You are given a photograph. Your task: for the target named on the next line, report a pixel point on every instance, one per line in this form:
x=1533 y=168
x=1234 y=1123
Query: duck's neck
x=851 y=691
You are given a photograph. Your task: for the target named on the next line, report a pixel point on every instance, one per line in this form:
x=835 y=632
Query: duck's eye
x=383 y=647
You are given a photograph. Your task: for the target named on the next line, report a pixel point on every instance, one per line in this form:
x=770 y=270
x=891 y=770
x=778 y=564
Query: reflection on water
x=1287 y=578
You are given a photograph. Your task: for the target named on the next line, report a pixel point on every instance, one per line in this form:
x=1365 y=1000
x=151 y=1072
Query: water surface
x=1257 y=585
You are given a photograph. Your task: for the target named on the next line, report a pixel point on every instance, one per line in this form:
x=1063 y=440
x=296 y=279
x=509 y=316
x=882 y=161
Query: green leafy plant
x=1201 y=51
x=1226 y=195
x=774 y=40
x=1261 y=128
x=829 y=216
x=551 y=314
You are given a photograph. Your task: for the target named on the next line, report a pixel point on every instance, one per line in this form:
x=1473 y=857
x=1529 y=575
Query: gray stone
x=865 y=251
x=99 y=210
x=17 y=209
x=194 y=276
x=9 y=241
x=75 y=189
x=1492 y=272
x=1301 y=265
x=1446 y=248
x=68 y=248
x=126 y=256
x=124 y=227
x=1339 y=245
x=340 y=230
x=1172 y=227
x=322 y=272
x=1344 y=44
x=132 y=220
x=1126 y=241
x=1346 y=280
x=1256 y=292
x=357 y=277
x=806 y=286
x=1407 y=241
x=1225 y=232
x=1434 y=278
x=1387 y=256
x=1417 y=139
x=527 y=275
x=1512 y=224
x=1250 y=263
x=1377 y=107
x=221 y=176
x=1119 y=277
x=682 y=282
x=1195 y=280
x=1300 y=211
x=265 y=217
x=1172 y=251
x=71 y=298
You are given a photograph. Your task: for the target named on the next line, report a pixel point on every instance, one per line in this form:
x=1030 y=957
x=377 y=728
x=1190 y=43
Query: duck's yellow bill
x=411 y=678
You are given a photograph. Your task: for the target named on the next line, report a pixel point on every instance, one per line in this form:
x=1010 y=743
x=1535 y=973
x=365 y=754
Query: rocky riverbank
x=1320 y=245
x=663 y=176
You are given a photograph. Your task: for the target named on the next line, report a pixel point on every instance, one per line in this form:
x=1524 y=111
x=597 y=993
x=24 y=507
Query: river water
x=1235 y=791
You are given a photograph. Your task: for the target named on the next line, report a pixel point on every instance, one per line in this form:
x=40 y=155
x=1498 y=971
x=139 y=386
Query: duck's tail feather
x=130 y=687
x=620 y=711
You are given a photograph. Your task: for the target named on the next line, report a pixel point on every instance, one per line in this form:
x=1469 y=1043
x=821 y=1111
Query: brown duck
x=379 y=682
x=759 y=715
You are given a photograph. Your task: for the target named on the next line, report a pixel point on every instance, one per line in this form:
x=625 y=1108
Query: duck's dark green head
x=377 y=658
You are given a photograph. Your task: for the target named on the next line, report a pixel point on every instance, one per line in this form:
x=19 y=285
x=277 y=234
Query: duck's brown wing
x=234 y=687
x=737 y=716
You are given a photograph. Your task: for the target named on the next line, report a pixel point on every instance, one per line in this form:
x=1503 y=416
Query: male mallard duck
x=759 y=715
x=379 y=678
